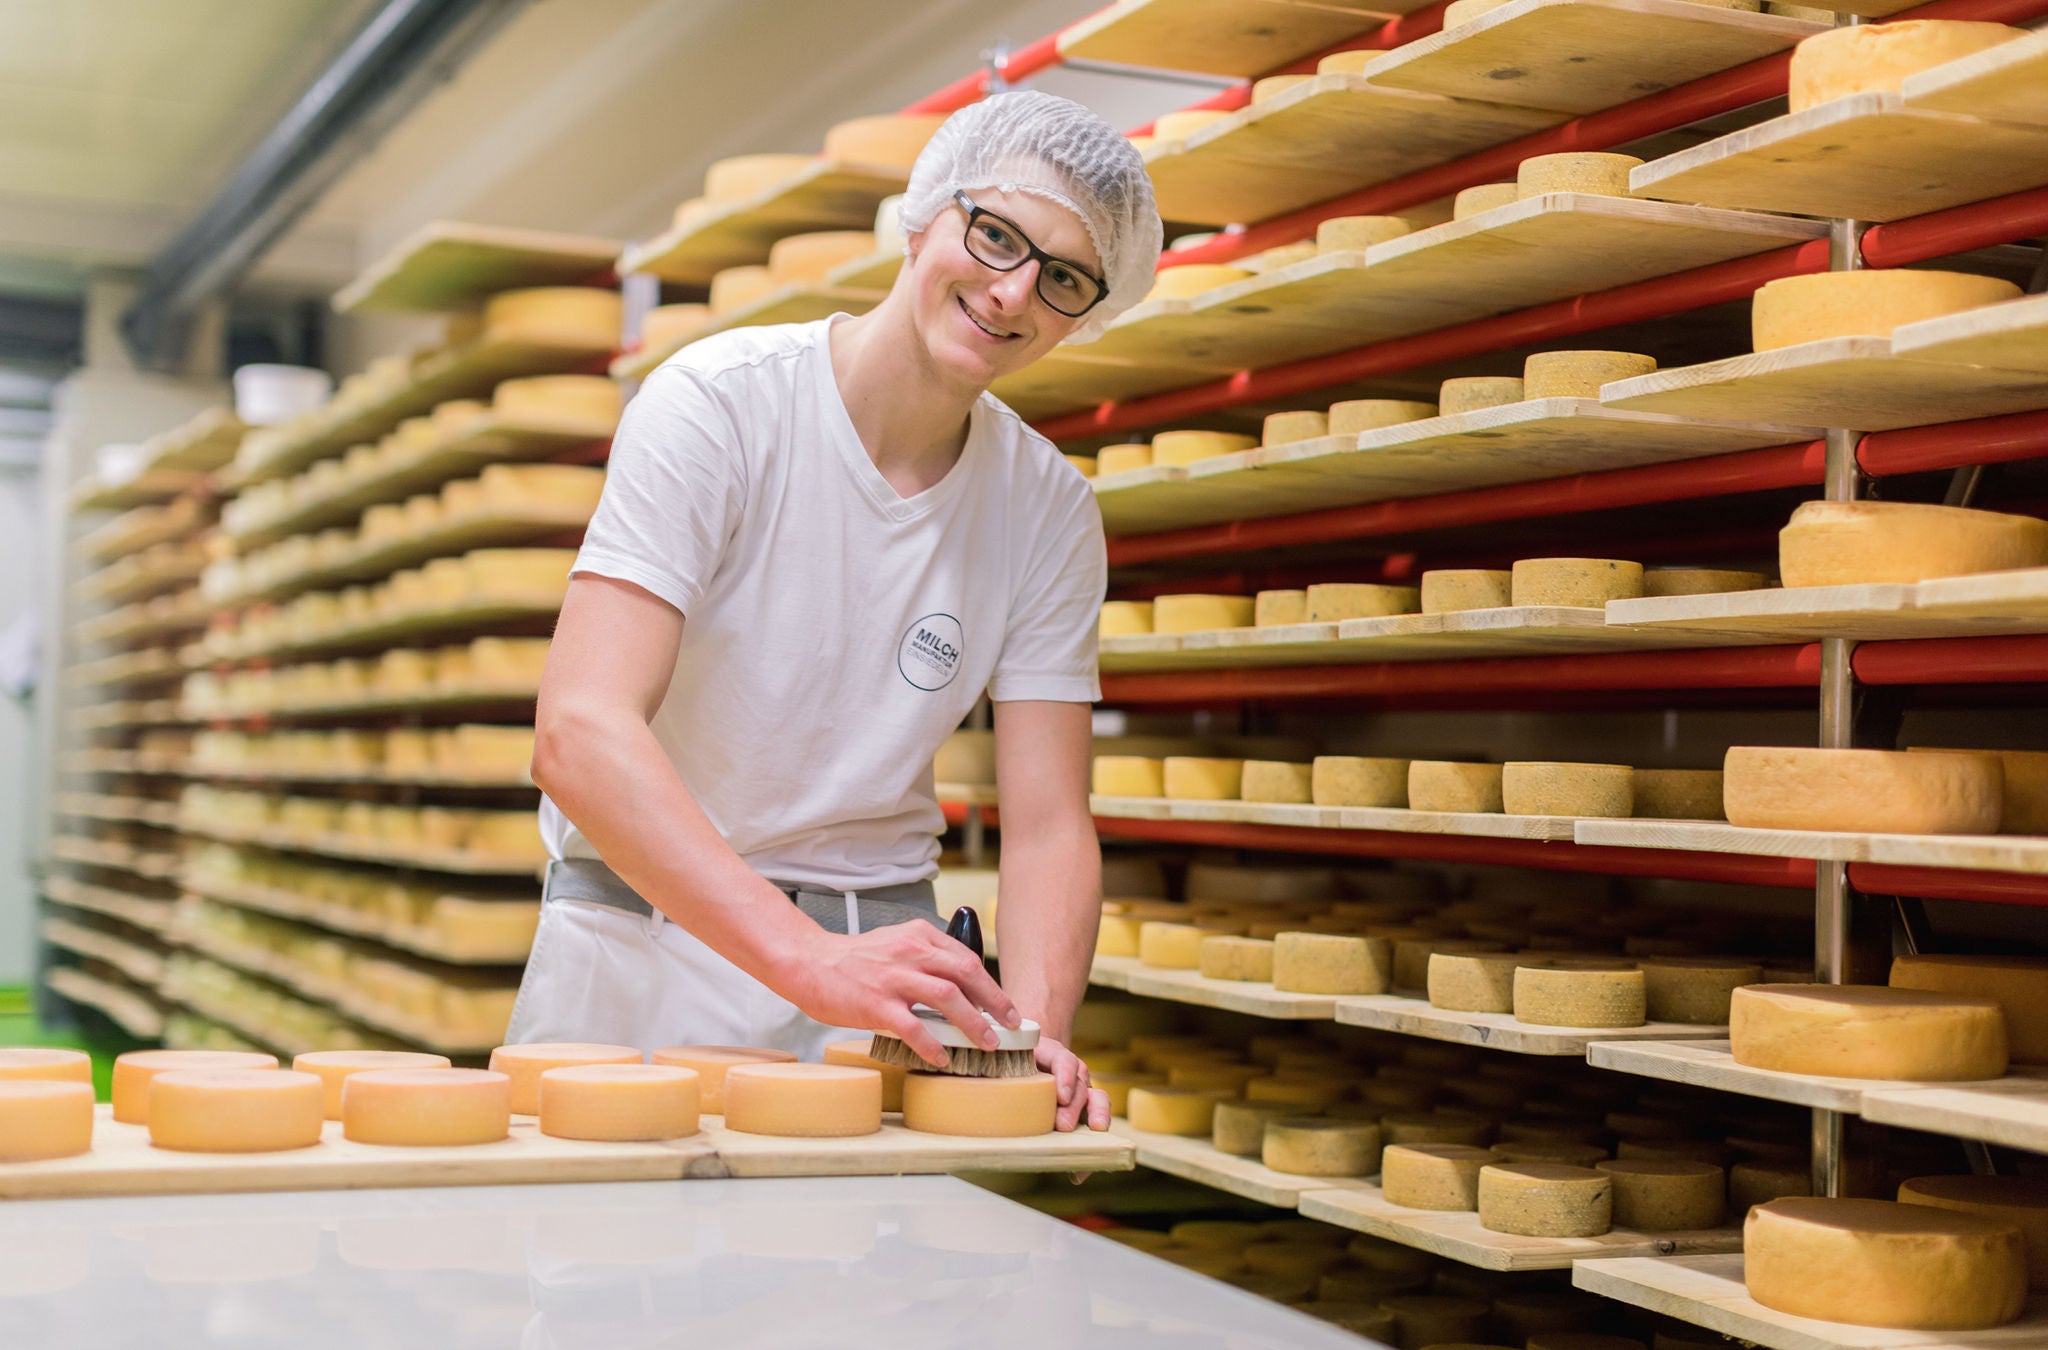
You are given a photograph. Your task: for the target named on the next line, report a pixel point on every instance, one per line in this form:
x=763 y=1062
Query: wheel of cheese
x=1191 y=279
x=1601 y=174
x=1171 y=946
x=1336 y=601
x=1351 y=780
x=1118 y=1086
x=1412 y=954
x=426 y=1107
x=1357 y=415
x=1190 y=447
x=2024 y=796
x=44 y=1118
x=1200 y=613
x=1700 y=581
x=1792 y=310
x=1759 y=1181
x=235 y=1110
x=1115 y=459
x=1452 y=590
x=1876 y=58
x=690 y=213
x=1237 y=958
x=887 y=141
x=539 y=398
x=1448 y=785
x=1580 y=374
x=1351 y=234
x=1229 y=1078
x=1474 y=392
x=133 y=1071
x=1312 y=1146
x=1694 y=989
x=580 y=313
x=1437 y=1127
x=45 y=1064
x=1125 y=618
x=1331 y=963
x=988 y=1108
x=2020 y=1201
x=1170 y=1110
x=1276 y=259
x=1884 y=791
x=1437 y=1320
x=1867 y=1031
x=1083 y=464
x=1275 y=85
x=1545 y=1200
x=807 y=258
x=711 y=1063
x=1878 y=1263
x=1575 y=1155
x=1270 y=780
x=1191 y=778
x=1584 y=583
x=1275 y=609
x=1239 y=1128
x=1475 y=201
x=809 y=1101
x=854 y=1054
x=1654 y=1196
x=332 y=1068
x=618 y=1102
x=1838 y=543
x=1563 y=996
x=1176 y=126
x=1128 y=776
x=1299 y=1096
x=1433 y=1176
x=735 y=288
x=670 y=326
x=1116 y=935
x=743 y=176
x=2018 y=984
x=1677 y=794
x=1474 y=981
x=524 y=1064
x=1285 y=428
x=1530 y=788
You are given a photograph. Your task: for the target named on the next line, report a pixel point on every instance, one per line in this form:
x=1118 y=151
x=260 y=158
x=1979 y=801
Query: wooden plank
x=1497 y=1031
x=2011 y=336
x=1192 y=987
x=1538 y=630
x=876 y=272
x=1794 y=614
x=1579 y=56
x=1244 y=38
x=1478 y=824
x=128 y=1009
x=2008 y=83
x=897 y=1151
x=826 y=195
x=1459 y=1236
x=1850 y=382
x=1708 y=1291
x=1977 y=853
x=1717 y=836
x=1068 y=378
x=1866 y=157
x=1986 y=598
x=137 y=962
x=1200 y=1160
x=448 y=265
x=480 y=614
x=2012 y=1112
x=460 y=862
x=1708 y=1063
x=1128 y=808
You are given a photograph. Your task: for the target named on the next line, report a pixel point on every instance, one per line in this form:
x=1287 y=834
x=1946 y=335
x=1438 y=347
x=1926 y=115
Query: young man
x=818 y=544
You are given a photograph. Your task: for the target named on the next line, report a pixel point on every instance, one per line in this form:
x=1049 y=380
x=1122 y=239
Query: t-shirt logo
x=929 y=654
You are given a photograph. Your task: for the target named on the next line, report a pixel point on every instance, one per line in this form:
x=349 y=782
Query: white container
x=267 y=394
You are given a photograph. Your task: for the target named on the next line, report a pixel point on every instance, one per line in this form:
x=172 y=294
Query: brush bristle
x=960 y=1063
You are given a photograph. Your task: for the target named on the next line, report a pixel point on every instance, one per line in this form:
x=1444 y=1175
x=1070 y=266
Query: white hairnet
x=1054 y=148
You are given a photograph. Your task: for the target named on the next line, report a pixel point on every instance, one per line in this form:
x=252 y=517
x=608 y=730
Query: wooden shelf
x=1192 y=987
x=135 y=667
x=151 y=487
x=1244 y=38
x=1477 y=824
x=458 y=862
x=370 y=779
x=105 y=806
x=1976 y=853
x=1199 y=1160
x=1497 y=1031
x=470 y=698
x=1707 y=1064
x=157 y=866
x=2013 y=1112
x=130 y=1011
x=185 y=611
x=1579 y=56
x=452 y=266
x=477 y=616
x=1458 y=1236
x=353 y=923
x=1709 y=1291
x=2009 y=336
x=145 y=912
x=2007 y=83
x=145 y=527
x=138 y=963
x=827 y=195
x=138 y=576
x=1864 y=157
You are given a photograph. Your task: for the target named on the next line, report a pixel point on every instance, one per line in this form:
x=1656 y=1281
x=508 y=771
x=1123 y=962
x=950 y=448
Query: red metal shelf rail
x=1951 y=445
x=1965 y=660
x=1949 y=883
x=1942 y=234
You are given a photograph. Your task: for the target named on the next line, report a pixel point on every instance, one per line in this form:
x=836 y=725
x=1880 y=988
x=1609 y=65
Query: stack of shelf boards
x=350 y=923
x=139 y=963
x=457 y=862
x=826 y=195
x=449 y=265
x=130 y=1011
x=1242 y=38
x=468 y=698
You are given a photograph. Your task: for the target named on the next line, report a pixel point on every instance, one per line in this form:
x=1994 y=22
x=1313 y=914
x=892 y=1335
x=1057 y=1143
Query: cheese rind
x=1473 y=393
x=1700 y=581
x=426 y=1108
x=1200 y=613
x=808 y=258
x=1192 y=778
x=1884 y=791
x=1224 y=957
x=1285 y=428
x=808 y=1101
x=1171 y=946
x=524 y=1064
x=1191 y=447
x=1239 y=1128
x=1694 y=990
x=1352 y=780
x=1564 y=996
x=1336 y=601
x=1452 y=590
x=1433 y=1176
x=735 y=288
x=1345 y=234
x=1878 y=1263
x=1822 y=305
x=1879 y=57
x=1191 y=279
x=44 y=1064
x=854 y=1054
x=1580 y=374
x=1584 y=583
x=1116 y=459
x=620 y=1102
x=1451 y=785
x=2020 y=1201
x=1270 y=780
x=1545 y=1200
x=711 y=1063
x=1332 y=963
x=1128 y=776
x=1189 y=1112
x=1486 y=197
x=1841 y=543
x=1678 y=794
x=886 y=140
x=44 y=1118
x=1124 y=618
x=742 y=176
x=1474 y=981
x=1656 y=1195
x=1312 y=1146
x=333 y=1067
x=1276 y=609
x=2018 y=984
x=1596 y=172
x=1530 y=788
x=1357 y=415
x=133 y=1071
x=982 y=1108
x=584 y=312
x=1867 y=1031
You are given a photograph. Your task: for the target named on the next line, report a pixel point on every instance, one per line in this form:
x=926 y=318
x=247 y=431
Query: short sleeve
x=1049 y=647
x=674 y=490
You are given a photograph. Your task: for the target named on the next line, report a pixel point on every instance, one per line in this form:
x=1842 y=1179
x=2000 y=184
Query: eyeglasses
x=997 y=243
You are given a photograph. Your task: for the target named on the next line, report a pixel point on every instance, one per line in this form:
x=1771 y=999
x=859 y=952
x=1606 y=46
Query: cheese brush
x=1015 y=1055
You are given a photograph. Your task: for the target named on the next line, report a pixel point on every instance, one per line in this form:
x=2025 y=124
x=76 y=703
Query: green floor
x=18 y=1026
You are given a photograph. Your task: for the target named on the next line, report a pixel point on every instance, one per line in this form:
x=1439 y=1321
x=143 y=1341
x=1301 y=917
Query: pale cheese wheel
x=1171 y=946
x=1128 y=776
x=2025 y=794
x=1269 y=780
x=1115 y=459
x=886 y=141
x=583 y=314
x=524 y=1064
x=1193 y=778
x=1456 y=589
x=1474 y=981
x=1437 y=1127
x=734 y=288
x=333 y=1067
x=1652 y=1195
x=1486 y=197
x=1878 y=1263
x=1566 y=996
x=1115 y=935
x=1336 y=601
x=1284 y=256
x=1236 y=958
x=1275 y=85
x=1884 y=791
x=1348 y=234
x=1083 y=464
x=2018 y=984
x=1678 y=794
x=1297 y=1096
x=807 y=258
x=621 y=1102
x=1700 y=581
x=1176 y=126
x=743 y=176
x=1353 y=780
x=1877 y=58
x=1580 y=374
x=1228 y=1078
x=1580 y=583
x=1191 y=279
x=1465 y=11
x=1200 y=613
x=44 y=1064
x=712 y=1062
x=1239 y=1128
x=1276 y=609
x=981 y=1108
x=1867 y=1031
x=44 y=1118
x=133 y=1071
x=1532 y=788
x=1312 y=1146
x=1551 y=1200
x=1411 y=957
x=426 y=1108
x=1473 y=393
x=1424 y=1320
x=854 y=1054
x=1118 y=1086
x=1180 y=448
x=807 y=1101
x=1596 y=172
x=1359 y=415
x=1838 y=543
x=1189 y=1112
x=1449 y=785
x=1694 y=990
x=2020 y=1201
x=1331 y=963
x=1124 y=618
x=550 y=397
x=1433 y=1176
x=1867 y=303
x=1285 y=428
x=669 y=326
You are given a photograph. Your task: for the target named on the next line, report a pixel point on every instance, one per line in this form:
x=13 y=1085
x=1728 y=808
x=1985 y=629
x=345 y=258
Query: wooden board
x=483 y=699
x=1708 y=1291
x=876 y=272
x=452 y=266
x=2024 y=854
x=1244 y=38
x=1192 y=987
x=1491 y=825
x=530 y=523
x=1200 y=1160
x=460 y=862
x=1707 y=1063
x=204 y=443
x=1497 y=1031
x=2008 y=83
x=1323 y=138
x=482 y=614
x=1579 y=56
x=826 y=195
x=1854 y=382
x=2013 y=1112
x=1866 y=157
x=138 y=963
x=897 y=1151
x=1458 y=1235
x=1718 y=836
x=419 y=939
x=2011 y=336
x=128 y=1009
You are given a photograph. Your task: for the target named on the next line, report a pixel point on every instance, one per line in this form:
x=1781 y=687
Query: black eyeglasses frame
x=1031 y=252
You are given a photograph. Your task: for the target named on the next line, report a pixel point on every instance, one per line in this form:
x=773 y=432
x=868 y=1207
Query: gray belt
x=591 y=881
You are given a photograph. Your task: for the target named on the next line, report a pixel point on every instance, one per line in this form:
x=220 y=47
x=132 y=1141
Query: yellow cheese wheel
x=1116 y=935
x=1336 y=601
x=1275 y=259
x=44 y=1118
x=1465 y=11
x=1599 y=173
x=1115 y=459
x=625 y=1101
x=854 y=1054
x=1332 y=963
x=1436 y=1320
x=2021 y=1201
x=1552 y=1200
x=2025 y=794
x=1118 y=1085
x=712 y=1062
x=1529 y=788
x=1125 y=618
x=984 y=1108
x=133 y=1071
x=1312 y=1146
x=1582 y=583
x=1486 y=197
x=1128 y=776
x=1239 y=1128
x=1176 y=126
x=807 y=258
x=1275 y=609
x=1436 y=1127
x=1353 y=780
x=1874 y=58
x=524 y=1064
x=743 y=176
x=1191 y=778
x=1475 y=392
x=333 y=1067
x=235 y=1110
x=1867 y=1031
x=1188 y=447
x=576 y=314
x=426 y=1107
x=1580 y=374
x=1571 y=996
x=1446 y=785
x=1083 y=464
x=1267 y=780
x=886 y=141
x=1236 y=958
x=1884 y=791
x=1652 y=1195
x=1285 y=428
x=811 y=1101
x=1837 y=543
x=542 y=398
x=1677 y=794
x=1275 y=85
x=668 y=326
x=735 y=288
x=1792 y=310
x=1700 y=581
x=1433 y=1176
x=1877 y=1263
x=2018 y=984
x=1411 y=957
x=45 y=1064
x=1170 y=946
x=1474 y=981
x=1370 y=414
x=1189 y=1112
x=1191 y=279
x=1200 y=613
x=1694 y=989
x=1347 y=234
x=1455 y=589
x=1295 y=1096
x=1759 y=1181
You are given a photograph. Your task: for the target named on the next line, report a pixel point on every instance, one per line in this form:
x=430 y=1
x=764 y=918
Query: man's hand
x=1078 y=1099
x=871 y=980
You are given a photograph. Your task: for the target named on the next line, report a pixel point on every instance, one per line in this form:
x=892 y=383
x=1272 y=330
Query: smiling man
x=818 y=544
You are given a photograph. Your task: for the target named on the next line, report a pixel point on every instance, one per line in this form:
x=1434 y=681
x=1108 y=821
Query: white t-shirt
x=835 y=632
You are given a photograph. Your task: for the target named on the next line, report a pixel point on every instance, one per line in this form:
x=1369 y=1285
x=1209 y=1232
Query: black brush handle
x=965 y=928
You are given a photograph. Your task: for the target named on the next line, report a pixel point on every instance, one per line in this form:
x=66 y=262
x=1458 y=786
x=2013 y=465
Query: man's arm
x=1050 y=884
x=596 y=757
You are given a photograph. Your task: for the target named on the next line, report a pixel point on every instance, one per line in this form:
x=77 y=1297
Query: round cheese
x=1275 y=609
x=2020 y=1201
x=1115 y=935
x=1577 y=1155
x=1239 y=1128
x=743 y=176
x=2018 y=984
x=1190 y=778
x=332 y=1068
x=1436 y=1127
x=1312 y=1146
x=1580 y=374
x=1350 y=234
x=618 y=1102
x=1171 y=946
x=1654 y=1196
x=1877 y=58
x=1214 y=1235
x=1694 y=989
x=1475 y=392
x=983 y=1108
x=1474 y=981
x=1190 y=1112
x=44 y=1118
x=1191 y=279
x=1200 y=613
x=1118 y=1086
x=1884 y=791
x=1083 y=464
x=711 y=1063
x=1582 y=583
x=1411 y=957
x=133 y=1071
x=1447 y=785
x=1283 y=256
x=1433 y=1176
x=854 y=1054
x=737 y=287
x=1128 y=776
x=1677 y=794
x=235 y=1110
x=1837 y=543
x=1229 y=1078
x=1358 y=415
x=1285 y=428
x=1331 y=963
x=426 y=1107
x=1125 y=618
x=886 y=141
x=1175 y=126
x=1452 y=590
x=1296 y=1096
x=1760 y=1180
x=1436 y=1320
x=578 y=314
x=807 y=258
x=1115 y=459
x=810 y=1101
x=1595 y=172
x=524 y=1064
x=1866 y=1031
x=1877 y=1263
x=1542 y=789
x=1486 y=197
x=1189 y=447
x=45 y=1064
x=1274 y=85
x=1237 y=958
x=542 y=398
x=1269 y=780
x=1545 y=1200
x=1336 y=601
x=668 y=326
x=1700 y=581
x=1565 y=996
x=1351 y=780
x=1869 y=303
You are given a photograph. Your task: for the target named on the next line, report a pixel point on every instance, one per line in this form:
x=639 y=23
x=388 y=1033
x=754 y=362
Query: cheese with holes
x=1275 y=609
x=1553 y=1200
x=1312 y=1146
x=1189 y=1112
x=1239 y=1128
x=1176 y=126
x=577 y=315
x=1870 y=303
x=426 y=1107
x=1677 y=794
x=1128 y=776
x=737 y=287
x=1355 y=780
x=1877 y=58
x=1595 y=172
x=618 y=1102
x=1359 y=415
x=1475 y=392
x=333 y=1067
x=1284 y=428
x=1115 y=459
x=44 y=1064
x=1580 y=374
x=1529 y=788
x=1170 y=946
x=1694 y=989
x=1877 y=1263
x=743 y=176
x=807 y=258
x=1200 y=613
x=1433 y=1176
x=1836 y=543
x=1237 y=958
x=1336 y=601
x=809 y=1101
x=133 y=1071
x=1572 y=996
x=541 y=398
x=1448 y=785
x=711 y=1063
x=1659 y=1196
x=1269 y=780
x=1700 y=581
x=1125 y=618
x=1486 y=197
x=982 y=1108
x=2020 y=1201
x=1455 y=589
x=1884 y=791
x=2018 y=984
x=1191 y=279
x=1867 y=1031
x=1581 y=583
x=1191 y=778
x=235 y=1110
x=1189 y=447
x=44 y=1118
x=1345 y=234
x=1474 y=981
x=1332 y=963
